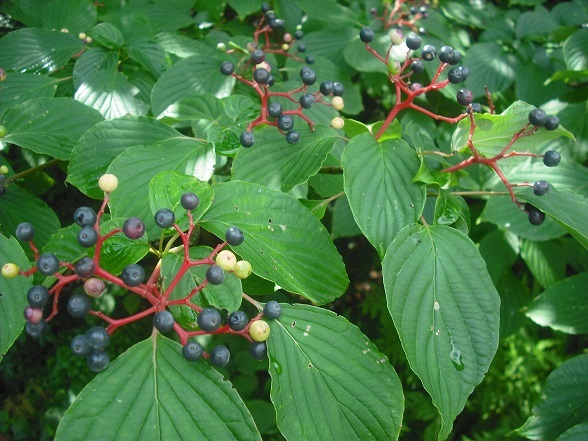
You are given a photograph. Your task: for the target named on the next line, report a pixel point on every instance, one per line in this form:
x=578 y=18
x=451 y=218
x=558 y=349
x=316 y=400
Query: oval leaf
x=151 y=393
x=326 y=390
x=284 y=242
x=446 y=312
x=19 y=87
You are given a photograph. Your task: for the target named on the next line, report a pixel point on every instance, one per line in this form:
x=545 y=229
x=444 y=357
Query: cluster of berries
x=399 y=14
x=3 y=171
x=272 y=113
x=133 y=278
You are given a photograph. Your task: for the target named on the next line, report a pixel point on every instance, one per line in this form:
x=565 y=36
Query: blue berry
x=455 y=75
x=85 y=267
x=215 y=275
x=258 y=350
x=246 y=139
x=227 y=68
x=258 y=56
x=163 y=321
x=192 y=351
x=48 y=264
x=80 y=346
x=98 y=360
x=237 y=320
x=308 y=76
x=338 y=89
x=465 y=97
x=551 y=123
x=309 y=59
x=85 y=216
x=417 y=66
x=428 y=53
x=413 y=42
x=133 y=228
x=285 y=122
x=234 y=236
x=327 y=87
x=261 y=75
x=477 y=108
x=98 y=337
x=301 y=47
x=307 y=100
x=25 y=232
x=275 y=109
x=38 y=296
x=87 y=236
x=551 y=158
x=446 y=54
x=36 y=329
x=298 y=35
x=540 y=188
x=537 y=117
x=536 y=217
x=465 y=72
x=133 y=275
x=209 y=319
x=272 y=310
x=189 y=201
x=165 y=218
x=78 y=306
x=366 y=35
x=271 y=80
x=220 y=356
x=293 y=137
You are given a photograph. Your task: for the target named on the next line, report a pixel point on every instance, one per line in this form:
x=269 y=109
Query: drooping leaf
x=563 y=403
x=534 y=24
x=13 y=298
x=92 y=60
x=574 y=50
x=545 y=260
x=151 y=393
x=107 y=35
x=28 y=12
x=579 y=432
x=500 y=250
x=378 y=184
x=74 y=15
x=446 y=311
x=148 y=54
x=274 y=163
x=19 y=87
x=563 y=306
x=37 y=50
x=48 y=125
x=283 y=241
x=343 y=222
x=323 y=389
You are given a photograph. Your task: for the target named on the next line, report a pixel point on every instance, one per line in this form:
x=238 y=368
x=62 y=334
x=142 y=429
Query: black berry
x=366 y=35
x=38 y=296
x=36 y=329
x=301 y=47
x=551 y=158
x=308 y=76
x=87 y=236
x=417 y=66
x=133 y=228
x=258 y=56
x=192 y=351
x=309 y=59
x=293 y=137
x=47 y=264
x=163 y=321
x=285 y=122
x=85 y=216
x=133 y=275
x=220 y=356
x=209 y=319
x=258 y=350
x=189 y=201
x=537 y=117
x=536 y=217
x=98 y=361
x=446 y=54
x=78 y=306
x=465 y=72
x=551 y=123
x=298 y=35
x=271 y=80
x=455 y=75
x=265 y=8
x=428 y=53
x=540 y=188
x=272 y=310
x=215 y=275
x=327 y=87
x=165 y=218
x=275 y=109
x=98 y=337
x=338 y=89
x=85 y=267
x=227 y=68
x=234 y=236
x=307 y=100
x=237 y=320
x=276 y=24
x=413 y=42
x=246 y=139
x=456 y=57
x=25 y=231
x=464 y=97
x=261 y=75
x=477 y=108
x=80 y=346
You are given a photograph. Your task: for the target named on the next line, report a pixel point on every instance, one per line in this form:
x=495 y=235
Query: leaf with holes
x=446 y=311
x=329 y=390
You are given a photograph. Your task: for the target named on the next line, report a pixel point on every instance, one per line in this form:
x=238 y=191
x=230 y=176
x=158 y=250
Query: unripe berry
x=133 y=228
x=416 y=86
x=396 y=36
x=2 y=74
x=221 y=47
x=259 y=330
x=33 y=315
x=3 y=168
x=226 y=260
x=337 y=122
x=108 y=183
x=337 y=103
x=3 y=132
x=394 y=67
x=242 y=269
x=94 y=287
x=288 y=38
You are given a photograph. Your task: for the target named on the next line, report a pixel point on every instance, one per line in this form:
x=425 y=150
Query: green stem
x=32 y=170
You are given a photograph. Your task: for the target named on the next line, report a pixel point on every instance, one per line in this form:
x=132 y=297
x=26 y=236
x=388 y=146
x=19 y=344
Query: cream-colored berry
x=108 y=183
x=259 y=330
x=3 y=170
x=226 y=260
x=10 y=271
x=82 y=35
x=337 y=103
x=337 y=122
x=243 y=269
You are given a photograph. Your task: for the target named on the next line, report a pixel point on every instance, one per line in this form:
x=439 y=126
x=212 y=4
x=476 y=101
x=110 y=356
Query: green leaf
x=326 y=390
x=274 y=163
x=111 y=94
x=570 y=14
x=494 y=132
x=447 y=208
x=283 y=241
x=489 y=66
x=19 y=87
x=563 y=306
x=148 y=54
x=578 y=432
x=119 y=251
x=378 y=184
x=64 y=244
x=13 y=299
x=98 y=147
x=563 y=402
x=338 y=14
x=566 y=207
x=192 y=76
x=574 y=50
x=151 y=393
x=343 y=222
x=91 y=61
x=48 y=125
x=74 y=15
x=28 y=12
x=500 y=250
x=514 y=297
x=227 y=295
x=245 y=7
x=534 y=24
x=131 y=198
x=107 y=35
x=545 y=260
x=37 y=50
x=446 y=312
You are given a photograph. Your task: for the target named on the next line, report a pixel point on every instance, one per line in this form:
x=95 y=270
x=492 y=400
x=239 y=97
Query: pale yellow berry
x=108 y=183
x=82 y=35
x=64 y=30
x=337 y=122
x=242 y=269
x=259 y=330
x=337 y=103
x=226 y=260
x=285 y=47
x=3 y=169
x=89 y=40
x=10 y=271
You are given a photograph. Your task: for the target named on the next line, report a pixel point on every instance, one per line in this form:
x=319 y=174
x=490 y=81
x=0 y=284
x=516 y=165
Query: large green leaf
x=343 y=222
x=446 y=311
x=136 y=166
x=13 y=299
x=28 y=12
x=378 y=184
x=579 y=432
x=48 y=125
x=534 y=24
x=98 y=147
x=19 y=87
x=500 y=250
x=283 y=241
x=278 y=165
x=92 y=60
x=149 y=55
x=37 y=50
x=119 y=251
x=563 y=403
x=152 y=393
x=107 y=35
x=493 y=132
x=326 y=390
x=74 y=15
x=111 y=94
x=489 y=66
x=545 y=259
x=574 y=50
x=563 y=306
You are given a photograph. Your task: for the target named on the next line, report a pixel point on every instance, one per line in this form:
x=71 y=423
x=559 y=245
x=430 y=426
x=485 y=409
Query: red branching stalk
x=394 y=16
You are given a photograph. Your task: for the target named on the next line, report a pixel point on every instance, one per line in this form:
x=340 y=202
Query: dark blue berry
x=540 y=188
x=189 y=201
x=98 y=360
x=48 y=264
x=87 y=236
x=465 y=72
x=220 y=356
x=165 y=218
x=455 y=75
x=258 y=56
x=133 y=275
x=366 y=35
x=163 y=321
x=227 y=68
x=476 y=108
x=292 y=137
x=276 y=24
x=80 y=346
x=85 y=216
x=85 y=267
x=271 y=80
x=464 y=97
x=275 y=109
x=285 y=122
x=551 y=123
x=234 y=236
x=78 y=306
x=446 y=54
x=298 y=35
x=38 y=296
x=192 y=351
x=301 y=47
x=261 y=75
x=307 y=100
x=456 y=57
x=551 y=158
x=246 y=139
x=215 y=275
x=309 y=59
x=428 y=53
x=417 y=66
x=308 y=76
x=413 y=42
x=258 y=350
x=98 y=337
x=237 y=320
x=272 y=310
x=209 y=319
x=25 y=231
x=338 y=89
x=537 y=117
x=133 y=228
x=36 y=329
x=327 y=87
x=536 y=217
